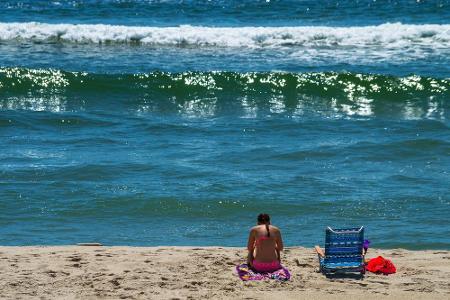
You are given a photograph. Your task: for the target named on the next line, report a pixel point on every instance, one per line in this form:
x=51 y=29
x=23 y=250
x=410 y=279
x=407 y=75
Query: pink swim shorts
x=266 y=266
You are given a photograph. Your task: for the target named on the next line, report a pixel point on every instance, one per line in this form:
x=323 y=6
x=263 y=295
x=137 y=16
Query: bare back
x=266 y=247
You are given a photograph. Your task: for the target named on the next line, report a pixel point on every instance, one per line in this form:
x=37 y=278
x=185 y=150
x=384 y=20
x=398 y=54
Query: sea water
x=178 y=122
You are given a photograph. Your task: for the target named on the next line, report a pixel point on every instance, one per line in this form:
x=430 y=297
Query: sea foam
x=388 y=35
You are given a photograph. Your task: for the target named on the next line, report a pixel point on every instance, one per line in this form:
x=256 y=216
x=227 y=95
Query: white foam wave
x=389 y=35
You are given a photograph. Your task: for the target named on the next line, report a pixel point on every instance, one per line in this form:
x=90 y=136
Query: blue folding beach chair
x=343 y=251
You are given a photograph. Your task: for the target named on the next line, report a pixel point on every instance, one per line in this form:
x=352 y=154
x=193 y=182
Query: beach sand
x=83 y=272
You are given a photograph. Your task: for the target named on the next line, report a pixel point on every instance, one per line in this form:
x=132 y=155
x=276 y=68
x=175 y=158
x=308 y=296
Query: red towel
x=381 y=265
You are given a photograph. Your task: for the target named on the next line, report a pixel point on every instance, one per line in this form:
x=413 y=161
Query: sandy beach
x=87 y=272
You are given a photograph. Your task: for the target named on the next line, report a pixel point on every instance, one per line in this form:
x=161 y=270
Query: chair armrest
x=319 y=251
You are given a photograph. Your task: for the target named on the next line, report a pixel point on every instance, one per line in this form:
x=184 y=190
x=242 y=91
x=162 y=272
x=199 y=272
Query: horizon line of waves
x=141 y=206
x=98 y=172
x=398 y=150
x=390 y=35
x=406 y=149
x=208 y=94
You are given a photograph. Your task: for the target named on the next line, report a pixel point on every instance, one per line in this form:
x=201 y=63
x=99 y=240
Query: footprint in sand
x=362 y=283
x=297 y=262
x=51 y=273
x=397 y=254
x=74 y=258
x=115 y=281
x=379 y=282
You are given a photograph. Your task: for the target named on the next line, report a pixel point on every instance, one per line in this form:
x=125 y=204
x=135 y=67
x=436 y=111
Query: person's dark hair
x=264 y=219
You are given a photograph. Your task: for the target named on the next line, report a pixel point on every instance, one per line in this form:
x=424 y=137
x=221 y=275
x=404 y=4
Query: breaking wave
x=390 y=35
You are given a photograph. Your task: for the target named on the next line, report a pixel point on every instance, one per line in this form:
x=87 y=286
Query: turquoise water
x=177 y=122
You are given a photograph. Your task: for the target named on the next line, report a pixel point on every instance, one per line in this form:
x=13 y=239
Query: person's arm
x=251 y=247
x=280 y=246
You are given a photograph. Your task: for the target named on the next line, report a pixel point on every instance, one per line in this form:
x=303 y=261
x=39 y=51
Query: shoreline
x=183 y=272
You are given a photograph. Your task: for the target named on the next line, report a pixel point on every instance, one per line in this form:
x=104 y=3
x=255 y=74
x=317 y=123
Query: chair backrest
x=344 y=244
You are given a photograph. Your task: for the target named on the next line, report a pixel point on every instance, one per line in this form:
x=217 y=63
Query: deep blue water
x=177 y=122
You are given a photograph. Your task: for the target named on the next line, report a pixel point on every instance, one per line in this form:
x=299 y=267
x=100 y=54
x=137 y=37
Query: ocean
x=177 y=122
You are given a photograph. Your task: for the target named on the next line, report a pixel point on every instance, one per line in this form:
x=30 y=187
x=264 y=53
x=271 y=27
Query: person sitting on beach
x=264 y=246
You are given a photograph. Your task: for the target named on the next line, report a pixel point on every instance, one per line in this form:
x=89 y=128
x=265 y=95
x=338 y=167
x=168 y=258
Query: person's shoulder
x=254 y=228
x=275 y=228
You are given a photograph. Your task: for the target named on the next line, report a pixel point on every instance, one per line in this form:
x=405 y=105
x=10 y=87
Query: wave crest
x=390 y=35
